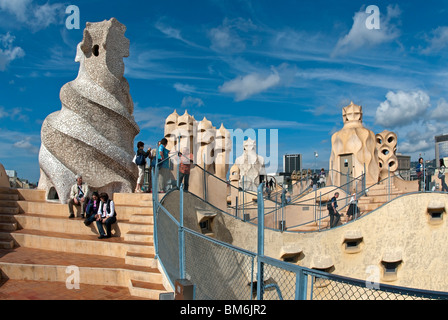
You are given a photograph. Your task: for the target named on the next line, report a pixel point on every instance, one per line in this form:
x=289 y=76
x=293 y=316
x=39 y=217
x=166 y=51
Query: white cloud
x=184 y=88
x=440 y=113
x=247 y=86
x=34 y=15
x=174 y=33
x=416 y=140
x=191 y=102
x=360 y=36
x=8 y=52
x=18 y=8
x=26 y=144
x=227 y=38
x=402 y=108
x=437 y=41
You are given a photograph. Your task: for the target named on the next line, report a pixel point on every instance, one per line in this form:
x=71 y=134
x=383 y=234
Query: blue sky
x=277 y=65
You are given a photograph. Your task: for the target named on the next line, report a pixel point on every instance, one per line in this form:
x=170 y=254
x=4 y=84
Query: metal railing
x=219 y=270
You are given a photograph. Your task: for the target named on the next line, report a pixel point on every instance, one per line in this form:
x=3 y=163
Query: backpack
x=140 y=160
x=329 y=206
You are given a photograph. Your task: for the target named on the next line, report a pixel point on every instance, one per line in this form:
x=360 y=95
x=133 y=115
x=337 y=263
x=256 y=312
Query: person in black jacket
x=333 y=211
x=141 y=164
x=106 y=215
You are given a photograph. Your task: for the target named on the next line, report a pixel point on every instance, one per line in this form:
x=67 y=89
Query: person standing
x=78 y=196
x=164 y=164
x=420 y=173
x=333 y=211
x=106 y=215
x=442 y=175
x=186 y=158
x=141 y=164
x=353 y=209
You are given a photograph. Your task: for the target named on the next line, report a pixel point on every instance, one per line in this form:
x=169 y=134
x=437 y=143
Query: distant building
x=441 y=147
x=404 y=166
x=11 y=173
x=16 y=182
x=291 y=163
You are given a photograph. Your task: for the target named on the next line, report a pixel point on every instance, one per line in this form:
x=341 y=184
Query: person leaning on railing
x=442 y=175
x=164 y=164
x=420 y=173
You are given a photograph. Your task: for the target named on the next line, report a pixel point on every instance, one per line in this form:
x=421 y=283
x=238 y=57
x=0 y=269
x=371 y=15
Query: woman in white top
x=442 y=175
x=106 y=215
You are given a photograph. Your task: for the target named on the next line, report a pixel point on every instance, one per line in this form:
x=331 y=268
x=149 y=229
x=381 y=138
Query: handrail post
x=260 y=241
x=242 y=190
x=181 y=234
x=236 y=207
x=155 y=206
x=178 y=165
x=388 y=183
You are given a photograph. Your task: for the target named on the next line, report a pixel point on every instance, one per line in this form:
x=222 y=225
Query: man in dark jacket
x=333 y=211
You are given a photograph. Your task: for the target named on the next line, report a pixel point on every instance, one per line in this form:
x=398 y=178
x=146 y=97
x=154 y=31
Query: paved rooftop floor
x=46 y=290
x=39 y=290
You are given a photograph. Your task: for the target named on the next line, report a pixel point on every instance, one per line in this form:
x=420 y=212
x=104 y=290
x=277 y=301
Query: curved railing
x=276 y=205
x=220 y=271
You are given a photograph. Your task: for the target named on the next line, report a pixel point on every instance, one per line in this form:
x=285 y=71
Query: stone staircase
x=8 y=209
x=376 y=196
x=29 y=222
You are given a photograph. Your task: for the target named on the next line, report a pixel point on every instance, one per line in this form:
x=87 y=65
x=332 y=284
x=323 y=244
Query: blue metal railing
x=235 y=267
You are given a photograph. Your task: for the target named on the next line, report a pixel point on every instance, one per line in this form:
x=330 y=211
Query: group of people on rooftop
x=94 y=207
x=99 y=208
x=161 y=159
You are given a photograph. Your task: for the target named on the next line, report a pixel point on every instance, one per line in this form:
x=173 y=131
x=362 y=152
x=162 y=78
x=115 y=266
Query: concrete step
x=133 y=199
x=46 y=265
x=142 y=218
x=8 y=226
x=129 y=210
x=135 y=236
x=9 y=210
x=8 y=203
x=61 y=210
x=8 y=218
x=7 y=190
x=146 y=289
x=9 y=196
x=78 y=244
x=6 y=244
x=44 y=222
x=141 y=259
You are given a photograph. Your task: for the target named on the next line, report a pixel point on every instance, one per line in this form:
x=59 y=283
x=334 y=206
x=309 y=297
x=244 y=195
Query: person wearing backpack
x=106 y=215
x=140 y=161
x=335 y=216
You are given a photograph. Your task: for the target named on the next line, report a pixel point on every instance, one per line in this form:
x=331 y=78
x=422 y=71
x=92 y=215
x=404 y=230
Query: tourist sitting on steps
x=92 y=208
x=106 y=216
x=79 y=194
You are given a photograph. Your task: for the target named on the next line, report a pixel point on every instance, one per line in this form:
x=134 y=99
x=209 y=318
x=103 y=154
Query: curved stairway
x=375 y=197
x=38 y=242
